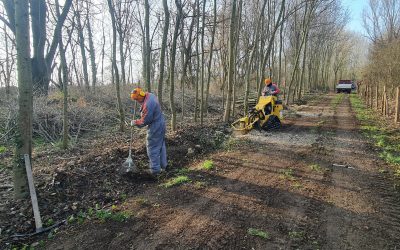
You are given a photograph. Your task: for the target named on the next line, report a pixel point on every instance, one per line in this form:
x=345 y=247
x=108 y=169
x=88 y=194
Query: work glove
x=133 y=123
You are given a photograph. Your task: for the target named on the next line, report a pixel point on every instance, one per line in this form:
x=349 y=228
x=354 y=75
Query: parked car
x=345 y=86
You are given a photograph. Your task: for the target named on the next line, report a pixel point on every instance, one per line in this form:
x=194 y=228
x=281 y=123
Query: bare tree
x=123 y=20
x=172 y=64
x=7 y=67
x=41 y=63
x=214 y=26
x=81 y=40
x=186 y=53
x=232 y=30
x=147 y=49
x=202 y=63
x=196 y=98
x=24 y=124
x=268 y=50
x=64 y=82
x=163 y=47
x=92 y=51
x=115 y=67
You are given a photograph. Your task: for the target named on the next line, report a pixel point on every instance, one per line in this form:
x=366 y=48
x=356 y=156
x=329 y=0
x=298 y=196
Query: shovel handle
x=35 y=206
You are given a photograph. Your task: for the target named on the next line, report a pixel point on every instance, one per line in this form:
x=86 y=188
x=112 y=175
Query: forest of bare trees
x=381 y=75
x=191 y=50
x=293 y=42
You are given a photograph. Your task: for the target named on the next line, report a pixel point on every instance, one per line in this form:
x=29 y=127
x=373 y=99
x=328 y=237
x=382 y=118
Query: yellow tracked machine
x=267 y=114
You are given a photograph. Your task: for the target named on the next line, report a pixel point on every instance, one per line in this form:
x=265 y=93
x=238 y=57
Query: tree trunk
x=41 y=65
x=397 y=107
x=202 y=64
x=253 y=53
x=92 y=51
x=303 y=67
x=64 y=83
x=163 y=47
x=147 y=45
x=115 y=67
x=231 y=61
x=103 y=54
x=78 y=80
x=24 y=121
x=40 y=69
x=281 y=42
x=196 y=98
x=235 y=74
x=211 y=54
x=306 y=23
x=122 y=55
x=83 y=52
x=172 y=65
x=186 y=59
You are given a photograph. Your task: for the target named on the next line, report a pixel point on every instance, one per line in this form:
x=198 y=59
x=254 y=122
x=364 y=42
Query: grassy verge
x=178 y=180
x=337 y=100
x=208 y=165
x=372 y=125
x=258 y=233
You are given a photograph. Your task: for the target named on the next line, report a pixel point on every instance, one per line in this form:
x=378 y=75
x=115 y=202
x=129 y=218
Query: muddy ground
x=314 y=184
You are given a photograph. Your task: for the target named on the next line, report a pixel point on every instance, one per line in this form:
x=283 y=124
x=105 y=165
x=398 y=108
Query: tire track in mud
x=308 y=207
x=358 y=217
x=314 y=208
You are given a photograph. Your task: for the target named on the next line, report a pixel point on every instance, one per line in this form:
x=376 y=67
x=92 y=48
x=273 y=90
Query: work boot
x=150 y=173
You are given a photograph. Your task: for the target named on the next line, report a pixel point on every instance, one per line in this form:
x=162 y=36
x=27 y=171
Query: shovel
x=128 y=166
x=35 y=207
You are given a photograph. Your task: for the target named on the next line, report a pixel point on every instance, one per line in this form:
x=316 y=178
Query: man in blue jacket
x=153 y=118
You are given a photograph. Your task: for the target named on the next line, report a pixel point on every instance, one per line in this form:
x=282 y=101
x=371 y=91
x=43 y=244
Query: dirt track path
x=283 y=183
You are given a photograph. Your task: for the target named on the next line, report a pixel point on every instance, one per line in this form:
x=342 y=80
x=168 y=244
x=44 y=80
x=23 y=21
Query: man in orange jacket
x=270 y=88
x=153 y=118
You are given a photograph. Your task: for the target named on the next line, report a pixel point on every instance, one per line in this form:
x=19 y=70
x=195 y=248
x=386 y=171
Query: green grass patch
x=337 y=100
x=200 y=184
x=142 y=201
x=232 y=143
x=315 y=167
x=2 y=149
x=258 y=233
x=382 y=171
x=60 y=144
x=287 y=174
x=176 y=181
x=123 y=196
x=391 y=157
x=208 y=165
x=297 y=235
x=297 y=185
x=2 y=166
x=99 y=214
x=397 y=172
x=104 y=215
x=373 y=128
x=39 y=142
x=182 y=171
x=49 y=223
